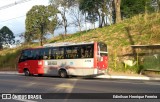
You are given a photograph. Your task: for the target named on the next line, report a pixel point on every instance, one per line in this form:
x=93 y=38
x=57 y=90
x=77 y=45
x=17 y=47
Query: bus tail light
x=101 y=58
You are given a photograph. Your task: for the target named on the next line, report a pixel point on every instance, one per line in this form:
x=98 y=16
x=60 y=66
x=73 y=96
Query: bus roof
x=66 y=44
x=61 y=44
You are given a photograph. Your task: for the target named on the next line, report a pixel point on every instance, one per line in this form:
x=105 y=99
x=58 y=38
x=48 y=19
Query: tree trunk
x=41 y=42
x=41 y=35
x=117 y=4
x=111 y=4
x=85 y=21
x=79 y=25
x=64 y=20
x=41 y=39
x=65 y=23
x=100 y=20
x=103 y=21
x=1 y=47
x=65 y=27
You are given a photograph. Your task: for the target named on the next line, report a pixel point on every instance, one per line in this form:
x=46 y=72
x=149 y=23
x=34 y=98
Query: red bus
x=65 y=59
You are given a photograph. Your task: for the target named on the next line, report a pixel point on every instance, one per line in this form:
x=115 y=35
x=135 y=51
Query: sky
x=14 y=16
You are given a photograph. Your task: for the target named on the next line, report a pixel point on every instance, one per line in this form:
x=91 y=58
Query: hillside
x=139 y=30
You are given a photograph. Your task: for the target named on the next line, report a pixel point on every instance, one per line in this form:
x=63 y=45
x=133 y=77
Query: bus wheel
x=62 y=73
x=40 y=75
x=26 y=72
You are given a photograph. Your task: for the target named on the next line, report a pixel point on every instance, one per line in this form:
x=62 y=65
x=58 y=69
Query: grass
x=136 y=30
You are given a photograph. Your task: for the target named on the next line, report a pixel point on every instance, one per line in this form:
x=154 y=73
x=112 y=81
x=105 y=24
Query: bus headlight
x=39 y=62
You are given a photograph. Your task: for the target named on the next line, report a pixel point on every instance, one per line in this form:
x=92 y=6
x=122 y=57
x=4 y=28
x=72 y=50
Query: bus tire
x=26 y=72
x=40 y=75
x=63 y=73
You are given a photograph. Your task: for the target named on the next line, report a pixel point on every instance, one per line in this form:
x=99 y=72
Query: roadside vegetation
x=138 y=30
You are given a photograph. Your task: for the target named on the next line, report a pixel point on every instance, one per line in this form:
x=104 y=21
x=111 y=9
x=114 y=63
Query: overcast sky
x=14 y=16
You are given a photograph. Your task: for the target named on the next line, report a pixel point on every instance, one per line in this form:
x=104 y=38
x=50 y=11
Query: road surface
x=10 y=83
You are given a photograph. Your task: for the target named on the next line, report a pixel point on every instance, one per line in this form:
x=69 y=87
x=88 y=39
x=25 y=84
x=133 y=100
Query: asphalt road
x=10 y=83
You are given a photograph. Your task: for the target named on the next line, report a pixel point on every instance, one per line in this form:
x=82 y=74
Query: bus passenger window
x=69 y=52
x=83 y=55
x=46 y=53
x=87 y=51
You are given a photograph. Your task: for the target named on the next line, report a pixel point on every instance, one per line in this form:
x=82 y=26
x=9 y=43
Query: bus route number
x=87 y=60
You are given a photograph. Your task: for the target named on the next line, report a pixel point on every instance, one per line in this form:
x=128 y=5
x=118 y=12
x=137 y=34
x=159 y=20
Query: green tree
x=130 y=8
x=88 y=7
x=6 y=37
x=94 y=9
x=158 y=2
x=40 y=21
x=156 y=5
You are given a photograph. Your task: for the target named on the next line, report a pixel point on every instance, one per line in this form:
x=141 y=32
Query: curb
x=128 y=77
x=8 y=72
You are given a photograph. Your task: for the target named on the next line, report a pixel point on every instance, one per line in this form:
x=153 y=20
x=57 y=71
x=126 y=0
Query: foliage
x=6 y=37
x=115 y=36
x=40 y=20
x=129 y=8
x=94 y=9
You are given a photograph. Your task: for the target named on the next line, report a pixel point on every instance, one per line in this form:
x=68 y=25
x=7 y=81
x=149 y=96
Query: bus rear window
x=103 y=47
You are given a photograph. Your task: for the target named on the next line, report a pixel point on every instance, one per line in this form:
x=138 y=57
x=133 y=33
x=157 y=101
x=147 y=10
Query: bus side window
x=87 y=51
x=34 y=55
x=29 y=55
x=83 y=52
x=53 y=56
x=37 y=54
x=79 y=52
x=68 y=54
x=75 y=52
x=41 y=52
x=56 y=55
x=61 y=53
x=46 y=54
